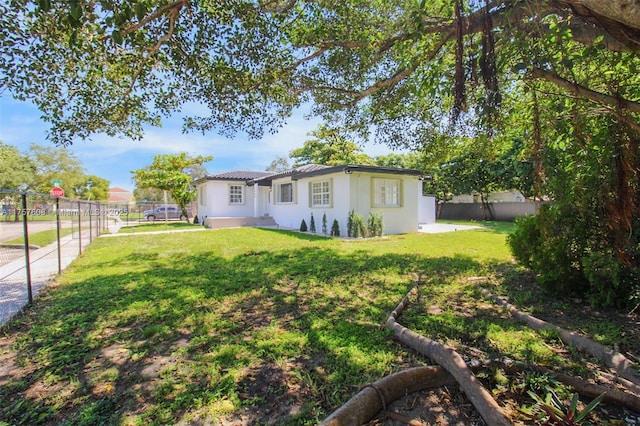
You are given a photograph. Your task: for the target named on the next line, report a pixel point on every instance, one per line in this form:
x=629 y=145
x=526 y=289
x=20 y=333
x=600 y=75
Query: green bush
x=312 y=224
x=525 y=240
x=571 y=254
x=303 y=226
x=324 y=223
x=358 y=225
x=335 y=228
x=374 y=224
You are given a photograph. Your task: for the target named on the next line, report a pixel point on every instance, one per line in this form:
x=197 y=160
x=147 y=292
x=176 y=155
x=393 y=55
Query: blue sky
x=113 y=158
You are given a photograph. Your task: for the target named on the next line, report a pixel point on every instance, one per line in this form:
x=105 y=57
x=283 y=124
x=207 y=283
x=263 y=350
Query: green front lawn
x=202 y=326
x=42 y=238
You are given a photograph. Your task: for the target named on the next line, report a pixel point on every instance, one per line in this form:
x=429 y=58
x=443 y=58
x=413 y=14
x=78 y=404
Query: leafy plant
x=374 y=224
x=312 y=224
x=335 y=228
x=303 y=226
x=356 y=225
x=557 y=412
x=324 y=223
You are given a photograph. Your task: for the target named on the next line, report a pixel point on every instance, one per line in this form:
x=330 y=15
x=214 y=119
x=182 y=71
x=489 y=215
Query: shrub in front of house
x=374 y=224
x=358 y=225
x=312 y=224
x=324 y=223
x=335 y=228
x=303 y=226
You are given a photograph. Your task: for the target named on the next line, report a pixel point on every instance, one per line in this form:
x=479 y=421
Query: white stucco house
x=283 y=199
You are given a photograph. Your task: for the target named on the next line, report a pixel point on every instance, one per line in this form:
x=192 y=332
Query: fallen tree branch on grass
x=612 y=359
x=451 y=361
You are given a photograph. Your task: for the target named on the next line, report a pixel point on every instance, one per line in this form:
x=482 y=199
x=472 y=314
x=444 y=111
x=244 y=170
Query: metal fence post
x=58 y=235
x=79 y=228
x=27 y=260
x=90 y=224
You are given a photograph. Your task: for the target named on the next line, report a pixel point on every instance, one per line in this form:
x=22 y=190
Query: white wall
x=396 y=220
x=426 y=209
x=217 y=200
x=290 y=215
x=349 y=192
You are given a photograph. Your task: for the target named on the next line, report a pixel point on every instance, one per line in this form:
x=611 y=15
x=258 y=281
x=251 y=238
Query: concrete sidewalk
x=43 y=267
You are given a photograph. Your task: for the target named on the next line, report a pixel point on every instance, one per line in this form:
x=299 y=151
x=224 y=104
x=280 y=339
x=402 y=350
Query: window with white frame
x=320 y=193
x=386 y=192
x=236 y=194
x=284 y=193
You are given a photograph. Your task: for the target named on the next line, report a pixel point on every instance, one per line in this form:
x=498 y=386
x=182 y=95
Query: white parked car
x=162 y=212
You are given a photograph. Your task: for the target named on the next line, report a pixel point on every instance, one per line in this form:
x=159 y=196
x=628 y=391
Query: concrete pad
x=437 y=228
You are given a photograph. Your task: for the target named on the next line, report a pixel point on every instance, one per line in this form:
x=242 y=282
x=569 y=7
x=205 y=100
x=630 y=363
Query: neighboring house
x=284 y=199
x=119 y=195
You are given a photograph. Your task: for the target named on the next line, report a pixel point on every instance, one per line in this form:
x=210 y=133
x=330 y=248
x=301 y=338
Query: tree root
x=612 y=359
x=451 y=361
x=374 y=397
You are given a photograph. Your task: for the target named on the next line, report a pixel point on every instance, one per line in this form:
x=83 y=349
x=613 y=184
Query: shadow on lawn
x=206 y=335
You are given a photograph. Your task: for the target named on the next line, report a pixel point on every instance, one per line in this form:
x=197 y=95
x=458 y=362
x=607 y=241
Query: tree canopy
x=329 y=147
x=172 y=173
x=115 y=66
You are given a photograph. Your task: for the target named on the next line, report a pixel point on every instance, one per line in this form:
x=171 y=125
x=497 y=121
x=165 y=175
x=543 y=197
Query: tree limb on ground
x=451 y=361
x=612 y=359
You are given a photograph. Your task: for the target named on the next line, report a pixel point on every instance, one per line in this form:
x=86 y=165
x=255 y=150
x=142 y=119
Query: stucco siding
x=216 y=200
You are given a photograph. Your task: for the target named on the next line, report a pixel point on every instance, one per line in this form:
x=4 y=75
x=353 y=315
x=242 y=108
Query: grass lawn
x=42 y=238
x=157 y=226
x=257 y=324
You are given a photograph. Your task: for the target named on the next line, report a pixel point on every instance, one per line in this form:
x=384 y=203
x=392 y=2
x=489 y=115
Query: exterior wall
x=290 y=215
x=396 y=220
x=354 y=191
x=216 y=200
x=426 y=209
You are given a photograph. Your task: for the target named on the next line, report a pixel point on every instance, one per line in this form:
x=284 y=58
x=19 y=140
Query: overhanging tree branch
x=592 y=95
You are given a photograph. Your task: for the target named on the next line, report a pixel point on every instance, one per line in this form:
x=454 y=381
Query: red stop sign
x=56 y=191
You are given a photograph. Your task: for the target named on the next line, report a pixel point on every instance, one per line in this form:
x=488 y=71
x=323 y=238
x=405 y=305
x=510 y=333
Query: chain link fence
x=39 y=236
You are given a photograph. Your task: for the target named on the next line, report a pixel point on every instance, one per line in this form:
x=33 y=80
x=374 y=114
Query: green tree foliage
x=280 y=164
x=92 y=188
x=150 y=195
x=53 y=163
x=171 y=172
x=17 y=169
x=329 y=147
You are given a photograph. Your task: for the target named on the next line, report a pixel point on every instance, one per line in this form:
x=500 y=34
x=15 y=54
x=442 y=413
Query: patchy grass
x=255 y=325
